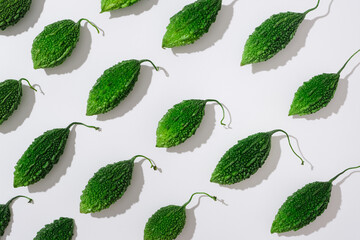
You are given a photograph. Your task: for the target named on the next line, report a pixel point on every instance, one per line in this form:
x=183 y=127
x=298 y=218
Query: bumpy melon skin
x=10 y=98
x=166 y=223
x=302 y=207
x=192 y=22
x=243 y=159
x=180 y=123
x=55 y=43
x=60 y=229
x=112 y=87
x=11 y=11
x=271 y=36
x=40 y=157
x=106 y=186
x=314 y=94
x=5 y=215
x=109 y=5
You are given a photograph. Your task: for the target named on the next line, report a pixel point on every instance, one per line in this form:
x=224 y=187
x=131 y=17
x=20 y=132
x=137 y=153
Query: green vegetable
x=109 y=5
x=11 y=11
x=316 y=93
x=108 y=185
x=245 y=158
x=193 y=21
x=304 y=206
x=42 y=155
x=113 y=86
x=56 y=42
x=5 y=213
x=181 y=121
x=10 y=97
x=272 y=36
x=168 y=222
x=60 y=229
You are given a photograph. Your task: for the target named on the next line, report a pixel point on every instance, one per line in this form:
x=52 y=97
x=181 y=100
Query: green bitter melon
x=168 y=222
x=181 y=121
x=193 y=21
x=245 y=158
x=113 y=86
x=108 y=185
x=56 y=42
x=304 y=206
x=109 y=5
x=11 y=11
x=60 y=229
x=316 y=93
x=10 y=97
x=42 y=155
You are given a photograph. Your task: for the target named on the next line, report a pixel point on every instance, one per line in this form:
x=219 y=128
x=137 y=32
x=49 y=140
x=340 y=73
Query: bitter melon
x=10 y=97
x=42 y=155
x=181 y=121
x=304 y=206
x=60 y=229
x=108 y=185
x=113 y=86
x=316 y=93
x=193 y=21
x=109 y=5
x=272 y=35
x=11 y=11
x=56 y=42
x=245 y=158
x=168 y=222
x=5 y=213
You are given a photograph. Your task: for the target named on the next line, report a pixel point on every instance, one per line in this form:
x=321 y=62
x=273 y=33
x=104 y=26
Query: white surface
x=258 y=98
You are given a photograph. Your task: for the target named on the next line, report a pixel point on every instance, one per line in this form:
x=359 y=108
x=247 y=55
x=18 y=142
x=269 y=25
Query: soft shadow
x=335 y=104
x=75 y=231
x=136 y=9
x=216 y=32
x=292 y=49
x=228 y=125
x=189 y=229
x=201 y=135
x=79 y=54
x=59 y=169
x=22 y=113
x=136 y=95
x=301 y=154
x=265 y=171
x=130 y=197
x=29 y=20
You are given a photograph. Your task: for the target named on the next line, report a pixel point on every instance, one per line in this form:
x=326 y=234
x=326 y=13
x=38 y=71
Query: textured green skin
x=302 y=207
x=55 y=43
x=109 y=5
x=5 y=215
x=271 y=36
x=10 y=98
x=106 y=186
x=243 y=159
x=112 y=87
x=166 y=223
x=60 y=229
x=314 y=94
x=193 y=21
x=40 y=157
x=180 y=123
x=11 y=11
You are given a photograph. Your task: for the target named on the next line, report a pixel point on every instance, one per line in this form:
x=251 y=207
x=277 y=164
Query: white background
x=258 y=98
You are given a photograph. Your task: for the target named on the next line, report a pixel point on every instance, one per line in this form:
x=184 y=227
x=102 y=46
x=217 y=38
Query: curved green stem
x=153 y=165
x=312 y=9
x=204 y=193
x=331 y=180
x=24 y=79
x=222 y=107
x=91 y=23
x=347 y=62
x=288 y=138
x=10 y=201
x=79 y=123
x=147 y=60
